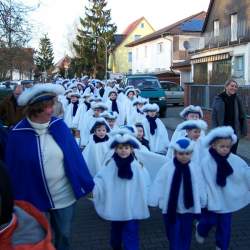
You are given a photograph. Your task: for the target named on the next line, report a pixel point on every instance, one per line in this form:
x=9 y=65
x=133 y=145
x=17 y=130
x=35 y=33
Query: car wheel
x=162 y=113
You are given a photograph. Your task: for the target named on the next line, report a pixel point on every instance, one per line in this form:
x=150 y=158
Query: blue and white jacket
x=25 y=164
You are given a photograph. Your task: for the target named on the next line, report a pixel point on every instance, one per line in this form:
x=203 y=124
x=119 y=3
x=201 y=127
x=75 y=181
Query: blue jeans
x=222 y=222
x=126 y=232
x=61 y=223
x=179 y=234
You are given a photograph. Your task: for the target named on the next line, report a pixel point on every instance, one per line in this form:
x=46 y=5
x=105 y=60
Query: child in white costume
x=179 y=192
x=190 y=112
x=120 y=193
x=193 y=130
x=227 y=183
x=72 y=109
x=137 y=115
x=111 y=119
x=95 y=151
x=128 y=103
x=155 y=131
x=115 y=106
x=97 y=109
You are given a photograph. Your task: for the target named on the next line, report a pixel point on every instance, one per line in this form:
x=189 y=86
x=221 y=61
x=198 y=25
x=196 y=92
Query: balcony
x=225 y=38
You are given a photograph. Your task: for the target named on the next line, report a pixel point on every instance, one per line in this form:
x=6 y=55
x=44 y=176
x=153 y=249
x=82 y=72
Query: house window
x=234 y=27
x=216 y=28
x=159 y=48
x=146 y=51
x=142 y=25
x=238 y=67
x=130 y=57
x=136 y=37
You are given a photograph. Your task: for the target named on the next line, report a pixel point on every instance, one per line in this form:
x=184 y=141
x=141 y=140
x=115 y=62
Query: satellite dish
x=186 y=45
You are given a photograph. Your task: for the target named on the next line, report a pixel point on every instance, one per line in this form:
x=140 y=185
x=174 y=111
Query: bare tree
x=15 y=31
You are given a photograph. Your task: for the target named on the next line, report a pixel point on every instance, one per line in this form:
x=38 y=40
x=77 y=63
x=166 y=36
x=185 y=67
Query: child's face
x=74 y=99
x=140 y=132
x=222 y=146
x=194 y=134
x=123 y=150
x=101 y=131
x=97 y=112
x=152 y=113
x=183 y=157
x=193 y=116
x=112 y=96
x=111 y=123
x=139 y=106
x=131 y=95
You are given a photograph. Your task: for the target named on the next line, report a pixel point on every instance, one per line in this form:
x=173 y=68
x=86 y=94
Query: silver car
x=174 y=93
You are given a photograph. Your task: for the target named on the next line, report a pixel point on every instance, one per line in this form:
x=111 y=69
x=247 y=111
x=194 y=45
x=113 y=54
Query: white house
x=158 y=52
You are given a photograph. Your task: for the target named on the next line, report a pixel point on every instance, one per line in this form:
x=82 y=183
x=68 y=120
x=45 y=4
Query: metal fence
x=203 y=95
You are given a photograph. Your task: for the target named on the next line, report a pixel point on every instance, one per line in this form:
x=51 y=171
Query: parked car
x=150 y=88
x=174 y=92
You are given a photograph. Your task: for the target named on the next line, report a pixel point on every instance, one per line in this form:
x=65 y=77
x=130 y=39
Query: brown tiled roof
x=174 y=28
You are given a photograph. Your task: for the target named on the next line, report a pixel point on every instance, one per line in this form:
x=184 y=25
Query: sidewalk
x=244 y=144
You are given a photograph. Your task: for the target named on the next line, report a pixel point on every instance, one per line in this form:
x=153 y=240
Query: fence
x=203 y=95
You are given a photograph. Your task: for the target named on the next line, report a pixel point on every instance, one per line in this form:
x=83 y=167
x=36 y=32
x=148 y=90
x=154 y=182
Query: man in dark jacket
x=10 y=112
x=228 y=110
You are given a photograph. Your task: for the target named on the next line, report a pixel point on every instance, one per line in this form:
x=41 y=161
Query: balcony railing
x=224 y=38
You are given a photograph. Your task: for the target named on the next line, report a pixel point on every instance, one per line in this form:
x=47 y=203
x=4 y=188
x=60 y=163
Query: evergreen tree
x=89 y=48
x=45 y=55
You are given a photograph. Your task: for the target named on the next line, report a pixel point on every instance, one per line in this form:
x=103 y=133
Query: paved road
x=92 y=233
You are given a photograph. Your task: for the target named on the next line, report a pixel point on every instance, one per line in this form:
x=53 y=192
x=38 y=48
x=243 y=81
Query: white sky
x=58 y=18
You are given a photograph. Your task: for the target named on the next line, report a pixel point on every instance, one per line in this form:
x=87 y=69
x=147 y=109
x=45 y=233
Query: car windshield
x=144 y=83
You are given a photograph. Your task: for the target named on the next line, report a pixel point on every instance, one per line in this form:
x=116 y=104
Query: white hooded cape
x=236 y=194
x=94 y=155
x=161 y=187
x=158 y=142
x=117 y=199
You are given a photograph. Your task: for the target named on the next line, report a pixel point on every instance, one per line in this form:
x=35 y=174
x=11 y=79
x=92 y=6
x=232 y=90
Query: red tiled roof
x=174 y=28
x=132 y=26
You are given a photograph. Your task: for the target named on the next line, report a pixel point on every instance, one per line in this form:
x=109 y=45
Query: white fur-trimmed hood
x=37 y=89
x=192 y=123
x=151 y=107
x=219 y=133
x=182 y=145
x=191 y=109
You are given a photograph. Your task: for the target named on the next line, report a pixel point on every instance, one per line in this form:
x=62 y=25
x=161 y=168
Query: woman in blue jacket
x=44 y=162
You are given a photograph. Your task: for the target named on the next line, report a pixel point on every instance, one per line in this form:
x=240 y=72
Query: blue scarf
x=152 y=124
x=98 y=139
x=124 y=166
x=114 y=106
x=182 y=171
x=87 y=105
x=75 y=107
x=139 y=111
x=224 y=169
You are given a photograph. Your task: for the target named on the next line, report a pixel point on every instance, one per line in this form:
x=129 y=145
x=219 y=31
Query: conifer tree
x=89 y=48
x=45 y=55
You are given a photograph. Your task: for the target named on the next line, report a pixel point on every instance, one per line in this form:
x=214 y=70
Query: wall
x=152 y=61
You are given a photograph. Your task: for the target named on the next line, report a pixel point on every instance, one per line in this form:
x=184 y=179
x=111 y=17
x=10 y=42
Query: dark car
x=150 y=88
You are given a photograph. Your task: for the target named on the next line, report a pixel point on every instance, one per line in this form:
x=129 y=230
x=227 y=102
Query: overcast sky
x=59 y=18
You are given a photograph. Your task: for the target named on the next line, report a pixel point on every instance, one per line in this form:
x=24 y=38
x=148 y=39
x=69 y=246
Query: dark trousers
x=179 y=234
x=61 y=223
x=126 y=232
x=222 y=222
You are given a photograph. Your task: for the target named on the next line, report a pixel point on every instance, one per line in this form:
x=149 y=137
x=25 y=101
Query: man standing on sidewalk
x=10 y=112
